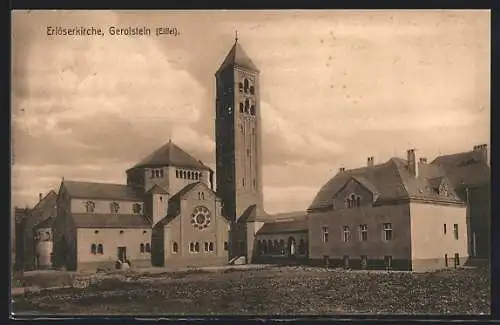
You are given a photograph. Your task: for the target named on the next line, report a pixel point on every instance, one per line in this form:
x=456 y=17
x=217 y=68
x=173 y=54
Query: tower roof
x=171 y=155
x=237 y=58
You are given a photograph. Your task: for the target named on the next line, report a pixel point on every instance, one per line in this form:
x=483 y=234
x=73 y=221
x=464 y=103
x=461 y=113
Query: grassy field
x=273 y=291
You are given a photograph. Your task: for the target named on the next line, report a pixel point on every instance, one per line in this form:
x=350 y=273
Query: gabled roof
x=157 y=189
x=171 y=155
x=390 y=180
x=237 y=58
x=92 y=190
x=109 y=220
x=47 y=223
x=464 y=169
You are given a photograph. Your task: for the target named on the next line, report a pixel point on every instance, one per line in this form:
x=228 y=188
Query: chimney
x=342 y=169
x=483 y=150
x=369 y=162
x=40 y=196
x=412 y=162
x=423 y=161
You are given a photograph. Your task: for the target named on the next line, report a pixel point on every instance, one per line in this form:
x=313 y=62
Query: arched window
x=93 y=248
x=100 y=249
x=252 y=109
x=175 y=247
x=197 y=247
x=184 y=174
x=176 y=173
x=157 y=173
x=196 y=176
x=252 y=90
x=245 y=84
x=89 y=206
x=191 y=247
x=241 y=107
x=141 y=249
x=247 y=105
x=358 y=201
x=302 y=247
x=148 y=248
x=211 y=247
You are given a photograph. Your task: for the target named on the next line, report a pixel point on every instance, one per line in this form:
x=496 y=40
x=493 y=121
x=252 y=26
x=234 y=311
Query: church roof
x=92 y=190
x=237 y=58
x=464 y=169
x=171 y=155
x=389 y=180
x=109 y=220
x=157 y=189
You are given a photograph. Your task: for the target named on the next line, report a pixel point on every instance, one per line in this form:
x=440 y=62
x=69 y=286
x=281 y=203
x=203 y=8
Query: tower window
x=240 y=86
x=247 y=105
x=245 y=85
x=252 y=90
x=252 y=110
x=241 y=107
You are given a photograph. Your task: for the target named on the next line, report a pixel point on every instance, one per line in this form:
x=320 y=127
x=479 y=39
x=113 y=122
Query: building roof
x=92 y=190
x=389 y=180
x=157 y=189
x=464 y=169
x=45 y=208
x=285 y=226
x=109 y=220
x=47 y=223
x=171 y=155
x=237 y=58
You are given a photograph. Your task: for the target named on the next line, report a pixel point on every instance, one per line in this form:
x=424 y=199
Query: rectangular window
x=444 y=229
x=455 y=231
x=346 y=234
x=388 y=262
x=324 y=232
x=225 y=246
x=387 y=231
x=363 y=232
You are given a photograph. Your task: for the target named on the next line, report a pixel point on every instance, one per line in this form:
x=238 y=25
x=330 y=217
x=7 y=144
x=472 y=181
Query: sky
x=336 y=88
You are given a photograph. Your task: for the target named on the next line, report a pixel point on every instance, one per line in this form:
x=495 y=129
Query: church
x=403 y=213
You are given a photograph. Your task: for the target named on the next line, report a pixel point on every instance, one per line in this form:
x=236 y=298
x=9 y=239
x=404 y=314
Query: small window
x=457 y=260
x=137 y=208
x=446 y=260
x=152 y=174
x=324 y=232
x=148 y=248
x=114 y=207
x=243 y=181
x=176 y=173
x=191 y=247
x=100 y=249
x=175 y=247
x=247 y=105
x=252 y=90
x=455 y=231
x=197 y=247
x=242 y=107
x=96 y=232
x=157 y=173
x=121 y=232
x=245 y=85
x=387 y=231
x=240 y=87
x=89 y=206
x=252 y=109
x=141 y=249
x=93 y=249
x=206 y=246
x=363 y=232
x=444 y=229
x=161 y=173
x=225 y=246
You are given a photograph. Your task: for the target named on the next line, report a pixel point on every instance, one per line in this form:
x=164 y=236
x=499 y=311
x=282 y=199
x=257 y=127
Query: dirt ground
x=271 y=291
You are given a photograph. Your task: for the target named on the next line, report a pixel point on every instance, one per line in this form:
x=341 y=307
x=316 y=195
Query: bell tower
x=238 y=134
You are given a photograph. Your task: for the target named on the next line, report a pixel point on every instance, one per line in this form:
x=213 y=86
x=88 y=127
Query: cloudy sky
x=336 y=87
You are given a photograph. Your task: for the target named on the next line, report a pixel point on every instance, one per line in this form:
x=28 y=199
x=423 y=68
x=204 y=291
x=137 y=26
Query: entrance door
x=122 y=253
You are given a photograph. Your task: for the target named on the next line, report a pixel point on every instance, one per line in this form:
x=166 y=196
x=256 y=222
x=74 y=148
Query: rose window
x=200 y=218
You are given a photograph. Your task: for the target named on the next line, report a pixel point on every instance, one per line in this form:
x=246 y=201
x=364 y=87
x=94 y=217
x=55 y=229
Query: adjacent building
x=400 y=214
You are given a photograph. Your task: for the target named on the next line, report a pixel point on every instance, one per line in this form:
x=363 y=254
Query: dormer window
x=90 y=206
x=114 y=207
x=353 y=201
